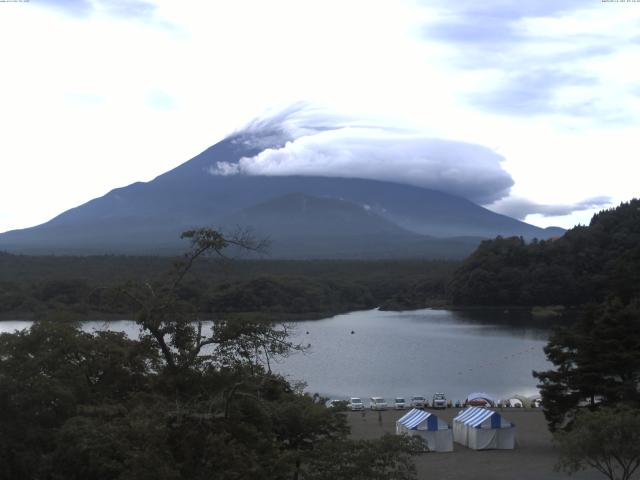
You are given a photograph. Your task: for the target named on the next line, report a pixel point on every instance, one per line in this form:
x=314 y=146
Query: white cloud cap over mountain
x=331 y=146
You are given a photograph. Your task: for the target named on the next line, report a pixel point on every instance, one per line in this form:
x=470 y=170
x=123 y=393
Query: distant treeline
x=586 y=265
x=89 y=286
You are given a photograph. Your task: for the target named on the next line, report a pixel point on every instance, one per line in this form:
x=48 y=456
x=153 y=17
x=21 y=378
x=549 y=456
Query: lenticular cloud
x=317 y=145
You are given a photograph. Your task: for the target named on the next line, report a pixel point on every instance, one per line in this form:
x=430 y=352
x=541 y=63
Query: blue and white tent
x=481 y=429
x=435 y=432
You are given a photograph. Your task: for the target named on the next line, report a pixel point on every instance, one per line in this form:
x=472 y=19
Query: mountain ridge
x=149 y=216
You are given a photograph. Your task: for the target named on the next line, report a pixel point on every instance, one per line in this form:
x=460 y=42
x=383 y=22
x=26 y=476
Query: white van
x=417 y=401
x=439 y=401
x=377 y=403
x=355 y=404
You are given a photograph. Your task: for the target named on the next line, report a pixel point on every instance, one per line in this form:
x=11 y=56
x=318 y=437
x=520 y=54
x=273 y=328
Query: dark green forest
x=87 y=287
x=586 y=265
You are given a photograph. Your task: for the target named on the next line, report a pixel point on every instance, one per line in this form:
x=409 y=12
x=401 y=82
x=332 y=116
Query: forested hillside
x=585 y=265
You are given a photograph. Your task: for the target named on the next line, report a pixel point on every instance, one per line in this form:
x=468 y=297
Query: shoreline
x=95 y=315
x=205 y=317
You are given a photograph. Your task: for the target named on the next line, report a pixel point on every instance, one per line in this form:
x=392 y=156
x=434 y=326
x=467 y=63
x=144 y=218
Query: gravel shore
x=533 y=458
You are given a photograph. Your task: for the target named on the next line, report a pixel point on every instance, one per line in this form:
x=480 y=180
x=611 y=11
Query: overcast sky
x=530 y=107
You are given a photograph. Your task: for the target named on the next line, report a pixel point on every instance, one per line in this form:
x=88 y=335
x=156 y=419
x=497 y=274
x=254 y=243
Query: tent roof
x=413 y=418
x=526 y=402
x=481 y=395
x=474 y=416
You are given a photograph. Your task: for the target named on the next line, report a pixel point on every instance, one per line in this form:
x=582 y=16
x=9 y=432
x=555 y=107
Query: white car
x=417 y=401
x=439 y=401
x=355 y=404
x=377 y=403
x=399 y=403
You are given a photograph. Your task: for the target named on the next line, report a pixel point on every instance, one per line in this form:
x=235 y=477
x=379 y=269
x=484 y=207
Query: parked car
x=439 y=401
x=417 y=401
x=399 y=403
x=377 y=403
x=355 y=404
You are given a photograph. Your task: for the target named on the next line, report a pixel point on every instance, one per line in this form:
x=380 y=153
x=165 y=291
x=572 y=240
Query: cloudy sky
x=529 y=107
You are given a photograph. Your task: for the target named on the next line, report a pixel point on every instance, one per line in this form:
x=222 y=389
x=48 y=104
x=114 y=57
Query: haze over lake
x=406 y=353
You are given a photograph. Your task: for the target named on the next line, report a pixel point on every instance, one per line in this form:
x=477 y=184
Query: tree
x=586 y=264
x=172 y=324
x=386 y=458
x=48 y=375
x=607 y=440
x=109 y=442
x=597 y=362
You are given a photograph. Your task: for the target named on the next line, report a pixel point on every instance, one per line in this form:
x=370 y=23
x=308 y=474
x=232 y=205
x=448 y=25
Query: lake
x=407 y=353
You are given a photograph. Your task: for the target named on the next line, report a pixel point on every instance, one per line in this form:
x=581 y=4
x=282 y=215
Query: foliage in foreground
x=607 y=440
x=387 y=458
x=596 y=363
x=181 y=402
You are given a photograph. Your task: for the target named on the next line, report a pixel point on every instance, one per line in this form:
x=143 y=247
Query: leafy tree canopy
x=587 y=264
x=596 y=362
x=607 y=440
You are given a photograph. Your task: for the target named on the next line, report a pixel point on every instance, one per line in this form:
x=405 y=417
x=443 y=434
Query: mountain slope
x=296 y=226
x=148 y=217
x=297 y=214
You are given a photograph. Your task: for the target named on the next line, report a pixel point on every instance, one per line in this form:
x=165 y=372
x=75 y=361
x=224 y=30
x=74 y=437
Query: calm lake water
x=407 y=353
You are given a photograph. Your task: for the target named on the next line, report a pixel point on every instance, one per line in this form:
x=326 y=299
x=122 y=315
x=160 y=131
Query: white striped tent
x=434 y=431
x=481 y=429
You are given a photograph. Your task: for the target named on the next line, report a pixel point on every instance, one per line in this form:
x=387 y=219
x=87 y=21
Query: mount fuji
x=303 y=216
